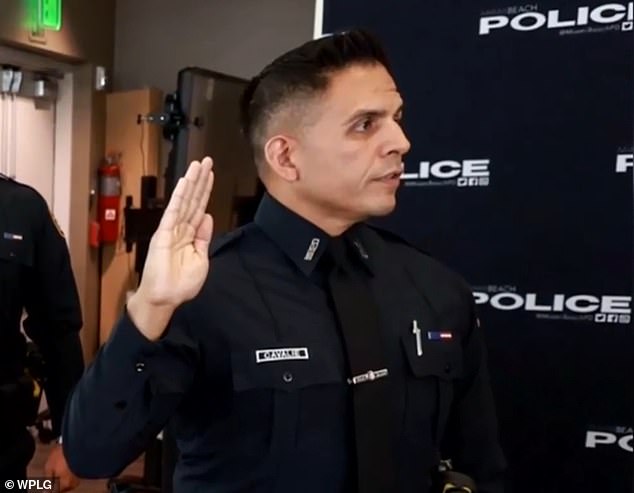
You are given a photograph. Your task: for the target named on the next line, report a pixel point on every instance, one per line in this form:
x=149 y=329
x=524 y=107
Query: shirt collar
x=302 y=241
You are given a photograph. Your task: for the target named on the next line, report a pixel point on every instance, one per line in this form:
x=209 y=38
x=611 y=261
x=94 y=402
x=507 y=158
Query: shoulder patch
x=224 y=241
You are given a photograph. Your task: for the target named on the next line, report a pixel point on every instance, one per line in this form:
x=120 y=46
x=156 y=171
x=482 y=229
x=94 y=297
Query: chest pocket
x=441 y=355
x=432 y=373
x=16 y=251
x=273 y=388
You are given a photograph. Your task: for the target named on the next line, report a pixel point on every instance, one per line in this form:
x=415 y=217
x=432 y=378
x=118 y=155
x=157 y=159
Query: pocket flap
x=16 y=248
x=440 y=355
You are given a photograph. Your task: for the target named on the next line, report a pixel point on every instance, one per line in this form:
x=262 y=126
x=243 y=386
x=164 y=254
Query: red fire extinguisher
x=109 y=199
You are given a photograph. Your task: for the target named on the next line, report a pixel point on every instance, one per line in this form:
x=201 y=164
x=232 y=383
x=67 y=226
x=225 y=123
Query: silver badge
x=312 y=248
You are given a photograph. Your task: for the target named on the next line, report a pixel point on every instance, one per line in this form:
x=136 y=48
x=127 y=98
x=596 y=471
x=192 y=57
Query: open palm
x=177 y=261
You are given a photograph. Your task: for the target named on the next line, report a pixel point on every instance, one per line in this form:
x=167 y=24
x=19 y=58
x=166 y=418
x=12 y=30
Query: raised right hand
x=177 y=261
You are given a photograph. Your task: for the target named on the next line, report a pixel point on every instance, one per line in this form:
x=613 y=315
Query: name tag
x=12 y=236
x=281 y=354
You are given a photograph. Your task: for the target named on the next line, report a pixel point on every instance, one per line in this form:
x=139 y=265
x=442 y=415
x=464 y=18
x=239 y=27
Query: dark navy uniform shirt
x=253 y=372
x=36 y=276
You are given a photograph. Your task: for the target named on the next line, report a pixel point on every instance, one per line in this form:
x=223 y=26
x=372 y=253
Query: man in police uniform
x=36 y=276
x=319 y=354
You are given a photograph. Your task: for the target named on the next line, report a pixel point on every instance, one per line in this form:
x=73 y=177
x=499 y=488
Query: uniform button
x=448 y=368
x=139 y=367
x=287 y=377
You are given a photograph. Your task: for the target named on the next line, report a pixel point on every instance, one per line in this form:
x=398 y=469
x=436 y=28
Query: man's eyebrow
x=370 y=112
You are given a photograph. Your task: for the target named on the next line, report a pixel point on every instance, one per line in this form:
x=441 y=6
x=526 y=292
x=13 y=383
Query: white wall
x=156 y=38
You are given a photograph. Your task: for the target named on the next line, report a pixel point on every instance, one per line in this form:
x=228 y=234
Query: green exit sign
x=43 y=15
x=50 y=14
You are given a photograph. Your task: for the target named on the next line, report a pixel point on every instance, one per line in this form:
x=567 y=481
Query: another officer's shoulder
x=19 y=190
x=23 y=198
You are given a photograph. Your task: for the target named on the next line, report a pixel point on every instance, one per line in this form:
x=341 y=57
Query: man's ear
x=278 y=152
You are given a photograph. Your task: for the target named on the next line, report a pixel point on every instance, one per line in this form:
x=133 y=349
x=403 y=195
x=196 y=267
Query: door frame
x=62 y=160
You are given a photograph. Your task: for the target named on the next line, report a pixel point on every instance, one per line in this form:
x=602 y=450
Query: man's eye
x=364 y=125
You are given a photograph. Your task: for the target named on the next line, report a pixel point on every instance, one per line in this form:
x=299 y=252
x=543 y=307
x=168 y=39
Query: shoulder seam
x=222 y=242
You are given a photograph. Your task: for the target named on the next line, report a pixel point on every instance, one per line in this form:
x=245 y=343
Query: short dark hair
x=301 y=72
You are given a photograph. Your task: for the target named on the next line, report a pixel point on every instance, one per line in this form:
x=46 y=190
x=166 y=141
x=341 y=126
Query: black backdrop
x=520 y=178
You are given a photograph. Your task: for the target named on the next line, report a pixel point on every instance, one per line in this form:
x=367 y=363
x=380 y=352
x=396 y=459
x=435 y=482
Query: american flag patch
x=12 y=236
x=439 y=336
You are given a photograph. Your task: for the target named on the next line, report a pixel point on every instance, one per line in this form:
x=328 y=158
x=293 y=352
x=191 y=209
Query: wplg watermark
x=31 y=485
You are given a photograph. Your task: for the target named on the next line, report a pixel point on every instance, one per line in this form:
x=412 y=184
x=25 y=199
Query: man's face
x=349 y=155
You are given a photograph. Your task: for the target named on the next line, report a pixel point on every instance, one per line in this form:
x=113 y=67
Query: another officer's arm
x=471 y=439
x=127 y=395
x=54 y=313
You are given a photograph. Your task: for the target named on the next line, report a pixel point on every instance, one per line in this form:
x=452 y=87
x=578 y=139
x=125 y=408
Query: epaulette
x=24 y=188
x=219 y=244
x=19 y=184
x=391 y=236
x=24 y=191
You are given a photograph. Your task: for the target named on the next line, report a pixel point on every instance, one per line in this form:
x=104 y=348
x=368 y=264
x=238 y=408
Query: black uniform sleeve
x=472 y=439
x=126 y=397
x=54 y=312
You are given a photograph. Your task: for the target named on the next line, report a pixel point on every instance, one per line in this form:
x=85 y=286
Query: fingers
x=204 y=234
x=209 y=185
x=199 y=213
x=191 y=177
x=174 y=207
x=193 y=217
x=68 y=484
x=189 y=199
x=186 y=195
